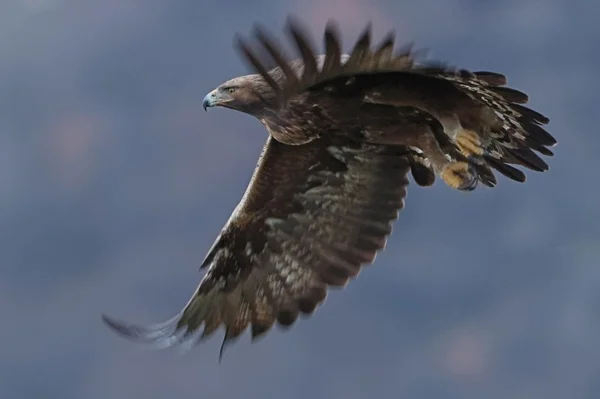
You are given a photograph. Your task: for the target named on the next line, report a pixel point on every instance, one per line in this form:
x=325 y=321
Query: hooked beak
x=216 y=98
x=210 y=100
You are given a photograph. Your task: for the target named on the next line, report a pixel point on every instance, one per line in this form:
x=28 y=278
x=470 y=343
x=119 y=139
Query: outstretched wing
x=509 y=130
x=311 y=216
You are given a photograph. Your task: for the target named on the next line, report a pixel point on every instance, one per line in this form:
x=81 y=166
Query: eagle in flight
x=345 y=130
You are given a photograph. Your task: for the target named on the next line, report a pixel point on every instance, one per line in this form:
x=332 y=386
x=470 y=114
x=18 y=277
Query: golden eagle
x=345 y=130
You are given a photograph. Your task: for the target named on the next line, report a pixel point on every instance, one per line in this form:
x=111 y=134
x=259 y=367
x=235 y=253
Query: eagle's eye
x=231 y=90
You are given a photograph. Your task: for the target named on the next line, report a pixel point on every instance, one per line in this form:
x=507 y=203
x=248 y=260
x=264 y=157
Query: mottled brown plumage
x=311 y=216
x=345 y=130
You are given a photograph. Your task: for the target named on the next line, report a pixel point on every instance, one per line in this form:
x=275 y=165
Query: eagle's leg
x=467 y=140
x=469 y=144
x=460 y=175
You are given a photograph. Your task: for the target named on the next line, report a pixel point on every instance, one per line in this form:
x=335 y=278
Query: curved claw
x=460 y=175
x=483 y=171
x=469 y=143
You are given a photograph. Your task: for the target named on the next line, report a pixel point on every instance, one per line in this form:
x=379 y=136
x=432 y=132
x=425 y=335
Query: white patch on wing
x=248 y=250
x=273 y=222
x=336 y=152
x=220 y=255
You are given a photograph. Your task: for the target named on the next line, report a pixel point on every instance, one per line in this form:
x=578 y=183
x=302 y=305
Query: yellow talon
x=458 y=175
x=469 y=143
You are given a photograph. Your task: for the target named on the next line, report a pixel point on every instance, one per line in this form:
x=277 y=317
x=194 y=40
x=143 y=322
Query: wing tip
x=332 y=26
x=159 y=335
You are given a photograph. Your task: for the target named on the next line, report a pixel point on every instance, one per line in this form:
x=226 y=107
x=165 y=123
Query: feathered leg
x=468 y=141
x=470 y=145
x=458 y=174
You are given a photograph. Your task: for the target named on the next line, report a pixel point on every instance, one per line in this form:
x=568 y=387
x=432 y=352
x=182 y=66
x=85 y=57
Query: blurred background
x=114 y=183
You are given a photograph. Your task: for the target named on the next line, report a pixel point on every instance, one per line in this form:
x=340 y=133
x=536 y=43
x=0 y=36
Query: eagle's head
x=249 y=94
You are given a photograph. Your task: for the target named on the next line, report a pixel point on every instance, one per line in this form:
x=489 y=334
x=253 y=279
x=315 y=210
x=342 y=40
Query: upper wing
x=311 y=216
x=509 y=130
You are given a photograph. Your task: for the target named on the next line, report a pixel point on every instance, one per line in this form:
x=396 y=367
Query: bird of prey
x=345 y=130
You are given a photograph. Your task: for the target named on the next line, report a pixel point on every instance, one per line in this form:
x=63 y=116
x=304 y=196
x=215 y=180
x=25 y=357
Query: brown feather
x=333 y=51
x=361 y=50
x=491 y=78
x=298 y=32
x=485 y=174
x=385 y=50
x=541 y=149
x=531 y=115
x=507 y=170
x=526 y=157
x=509 y=94
x=276 y=53
x=539 y=134
x=242 y=46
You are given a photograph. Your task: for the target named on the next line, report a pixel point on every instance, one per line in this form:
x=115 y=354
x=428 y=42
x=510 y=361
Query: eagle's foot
x=460 y=175
x=469 y=143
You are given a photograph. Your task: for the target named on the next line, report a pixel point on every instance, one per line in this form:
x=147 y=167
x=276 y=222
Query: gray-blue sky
x=114 y=184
